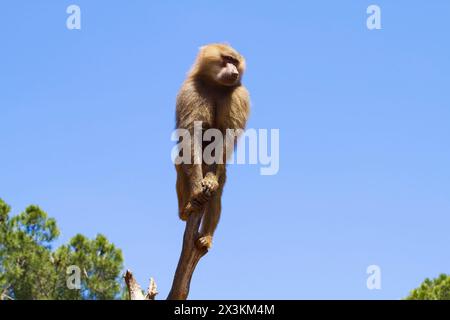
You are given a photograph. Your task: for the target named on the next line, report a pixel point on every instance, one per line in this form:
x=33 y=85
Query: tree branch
x=190 y=256
x=3 y=294
x=135 y=291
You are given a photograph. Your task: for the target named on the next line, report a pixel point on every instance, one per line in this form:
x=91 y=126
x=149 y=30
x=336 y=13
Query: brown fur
x=221 y=104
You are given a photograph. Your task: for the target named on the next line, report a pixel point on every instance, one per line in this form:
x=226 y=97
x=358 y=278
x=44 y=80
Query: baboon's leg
x=194 y=174
x=213 y=209
x=182 y=192
x=210 y=220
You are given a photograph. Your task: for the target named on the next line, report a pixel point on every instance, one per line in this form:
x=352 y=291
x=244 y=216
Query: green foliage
x=436 y=289
x=30 y=269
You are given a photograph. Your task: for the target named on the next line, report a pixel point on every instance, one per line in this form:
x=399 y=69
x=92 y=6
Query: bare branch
x=3 y=295
x=152 y=290
x=190 y=255
x=134 y=289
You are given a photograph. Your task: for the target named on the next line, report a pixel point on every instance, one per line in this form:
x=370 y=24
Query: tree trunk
x=190 y=256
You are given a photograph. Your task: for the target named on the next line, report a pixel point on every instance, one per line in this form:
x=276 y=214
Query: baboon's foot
x=192 y=206
x=184 y=214
x=204 y=242
x=195 y=203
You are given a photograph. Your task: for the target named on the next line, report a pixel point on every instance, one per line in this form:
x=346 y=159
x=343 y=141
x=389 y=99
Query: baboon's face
x=223 y=65
x=228 y=73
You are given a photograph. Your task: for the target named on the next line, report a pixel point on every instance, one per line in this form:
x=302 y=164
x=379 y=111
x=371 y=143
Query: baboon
x=213 y=94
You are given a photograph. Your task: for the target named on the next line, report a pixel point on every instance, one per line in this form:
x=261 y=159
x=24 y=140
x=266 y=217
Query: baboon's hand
x=201 y=195
x=209 y=185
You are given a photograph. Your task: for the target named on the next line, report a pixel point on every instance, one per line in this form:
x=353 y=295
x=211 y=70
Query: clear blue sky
x=364 y=119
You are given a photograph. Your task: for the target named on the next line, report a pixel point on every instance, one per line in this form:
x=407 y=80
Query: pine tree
x=31 y=270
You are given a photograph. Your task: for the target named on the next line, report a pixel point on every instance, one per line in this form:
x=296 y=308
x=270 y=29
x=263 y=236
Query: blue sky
x=86 y=117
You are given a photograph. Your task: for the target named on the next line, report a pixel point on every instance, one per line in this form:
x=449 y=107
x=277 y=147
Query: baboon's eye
x=230 y=59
